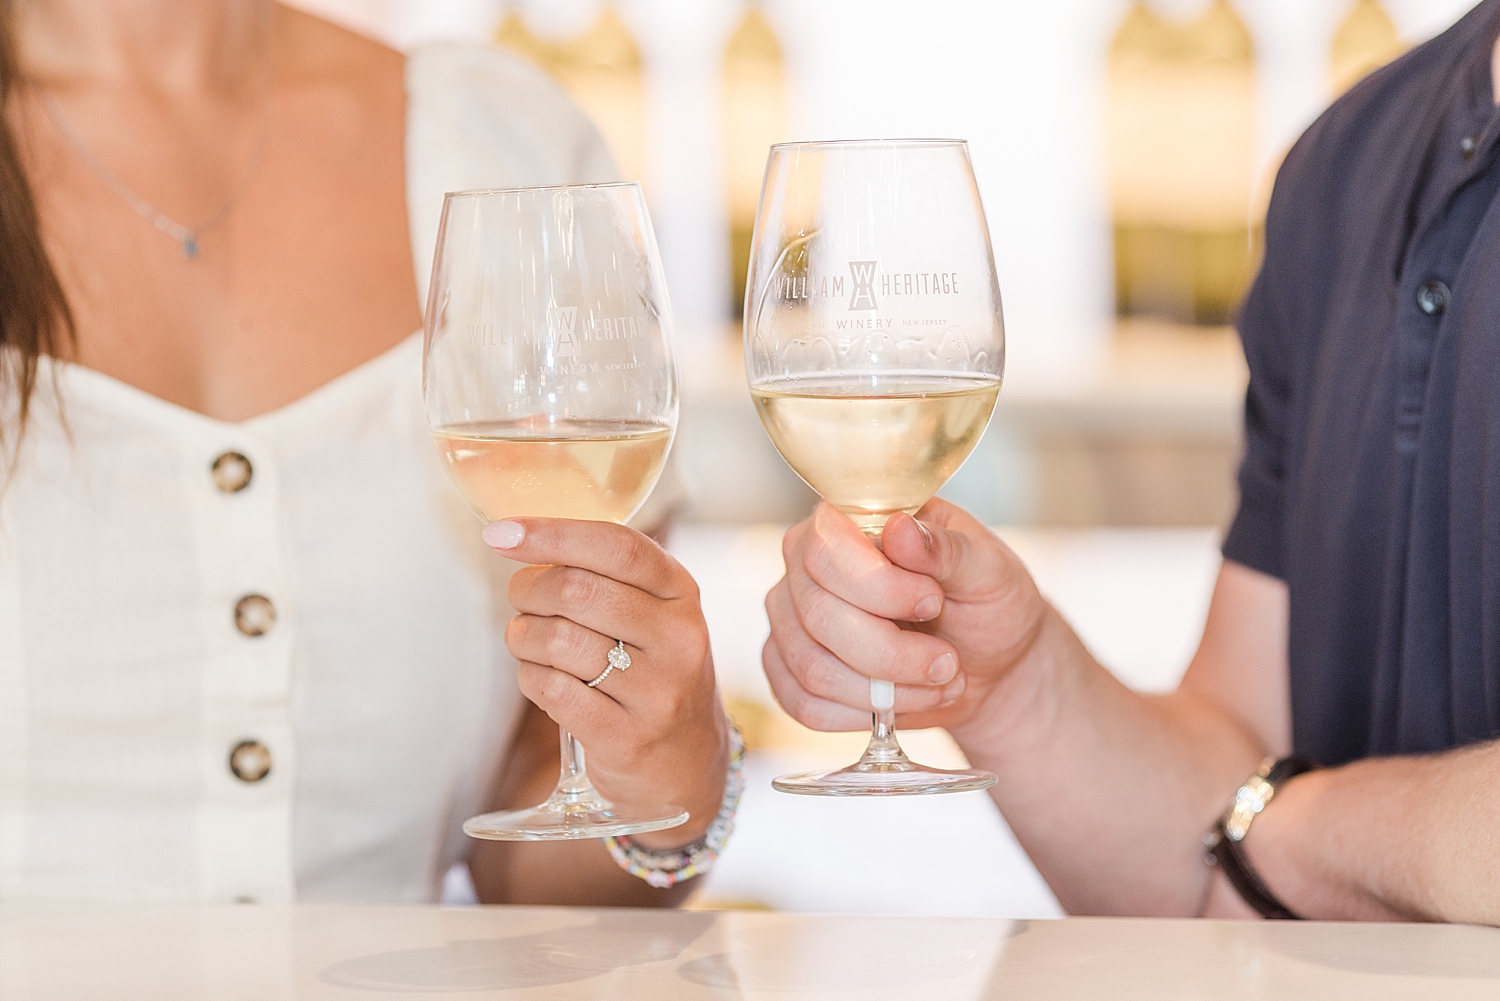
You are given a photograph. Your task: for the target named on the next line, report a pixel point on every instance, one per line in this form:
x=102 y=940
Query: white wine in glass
x=590 y=470
x=874 y=346
x=872 y=449
x=551 y=391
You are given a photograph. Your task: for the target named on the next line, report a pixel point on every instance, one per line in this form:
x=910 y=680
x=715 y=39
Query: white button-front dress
x=293 y=687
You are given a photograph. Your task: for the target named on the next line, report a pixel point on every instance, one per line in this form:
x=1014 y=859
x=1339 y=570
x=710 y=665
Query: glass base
x=884 y=770
x=857 y=780
x=569 y=818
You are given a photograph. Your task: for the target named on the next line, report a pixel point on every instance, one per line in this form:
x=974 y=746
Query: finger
x=873 y=646
x=593 y=601
x=945 y=543
x=564 y=645
x=801 y=705
x=791 y=541
x=823 y=675
x=585 y=712
x=842 y=560
x=607 y=549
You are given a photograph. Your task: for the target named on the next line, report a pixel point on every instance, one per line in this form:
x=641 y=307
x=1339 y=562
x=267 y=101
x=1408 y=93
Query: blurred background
x=1125 y=150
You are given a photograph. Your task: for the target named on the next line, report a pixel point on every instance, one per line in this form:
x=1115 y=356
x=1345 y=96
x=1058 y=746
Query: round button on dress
x=254 y=615
x=231 y=472
x=1432 y=297
x=250 y=761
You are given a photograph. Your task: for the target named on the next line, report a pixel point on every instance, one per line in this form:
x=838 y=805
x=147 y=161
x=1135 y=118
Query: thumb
x=949 y=545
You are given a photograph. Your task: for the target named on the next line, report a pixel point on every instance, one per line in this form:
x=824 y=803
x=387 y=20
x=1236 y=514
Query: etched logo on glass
x=863 y=273
x=561 y=323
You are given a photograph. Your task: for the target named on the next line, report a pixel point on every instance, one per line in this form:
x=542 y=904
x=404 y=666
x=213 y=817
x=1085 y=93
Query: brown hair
x=34 y=315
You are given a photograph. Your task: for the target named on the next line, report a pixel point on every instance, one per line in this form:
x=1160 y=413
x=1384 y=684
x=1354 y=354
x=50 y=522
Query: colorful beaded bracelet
x=668 y=868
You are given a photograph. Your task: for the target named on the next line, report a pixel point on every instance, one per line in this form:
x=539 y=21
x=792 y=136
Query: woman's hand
x=946 y=612
x=654 y=733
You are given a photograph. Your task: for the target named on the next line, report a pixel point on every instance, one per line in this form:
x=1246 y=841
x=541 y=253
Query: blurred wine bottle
x=600 y=68
x=1181 y=141
x=1365 y=41
x=754 y=118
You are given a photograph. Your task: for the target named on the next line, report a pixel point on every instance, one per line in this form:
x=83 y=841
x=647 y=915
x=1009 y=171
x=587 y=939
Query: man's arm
x=1409 y=838
x=1111 y=791
x=1403 y=838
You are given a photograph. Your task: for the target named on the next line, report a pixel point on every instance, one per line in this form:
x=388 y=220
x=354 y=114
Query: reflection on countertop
x=313 y=952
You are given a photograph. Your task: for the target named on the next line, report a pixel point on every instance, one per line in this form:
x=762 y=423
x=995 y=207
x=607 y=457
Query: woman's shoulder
x=479 y=117
x=476 y=69
x=498 y=120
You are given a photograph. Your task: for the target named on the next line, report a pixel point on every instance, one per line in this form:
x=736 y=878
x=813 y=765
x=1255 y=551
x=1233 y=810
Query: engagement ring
x=619 y=659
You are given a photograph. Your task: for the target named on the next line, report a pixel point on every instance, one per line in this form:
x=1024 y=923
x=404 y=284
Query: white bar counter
x=312 y=952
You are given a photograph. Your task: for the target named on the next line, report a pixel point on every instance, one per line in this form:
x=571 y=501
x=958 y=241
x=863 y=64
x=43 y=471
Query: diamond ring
x=619 y=659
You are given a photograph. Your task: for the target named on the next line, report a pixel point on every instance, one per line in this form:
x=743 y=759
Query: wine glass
x=874 y=347
x=551 y=390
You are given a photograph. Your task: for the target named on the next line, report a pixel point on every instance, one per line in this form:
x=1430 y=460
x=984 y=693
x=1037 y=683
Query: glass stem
x=573 y=785
x=883 y=748
x=573 y=778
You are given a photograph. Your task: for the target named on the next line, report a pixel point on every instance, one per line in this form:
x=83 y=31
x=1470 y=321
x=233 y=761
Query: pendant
x=190 y=246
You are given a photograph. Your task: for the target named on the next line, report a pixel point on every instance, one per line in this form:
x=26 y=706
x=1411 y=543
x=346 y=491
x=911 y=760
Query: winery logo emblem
x=561 y=325
x=863 y=273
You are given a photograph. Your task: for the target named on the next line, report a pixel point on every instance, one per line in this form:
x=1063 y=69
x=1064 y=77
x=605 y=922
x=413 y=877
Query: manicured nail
x=954 y=689
x=929 y=607
x=504 y=534
x=943 y=669
x=926 y=535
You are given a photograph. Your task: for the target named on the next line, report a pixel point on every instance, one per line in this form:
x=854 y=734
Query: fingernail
x=943 y=669
x=929 y=607
x=503 y=534
x=954 y=689
x=926 y=535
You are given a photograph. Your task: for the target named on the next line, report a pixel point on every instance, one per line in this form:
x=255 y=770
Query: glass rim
x=916 y=143
x=529 y=188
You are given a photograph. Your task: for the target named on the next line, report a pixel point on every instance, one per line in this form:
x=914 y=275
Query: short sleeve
x=1256 y=536
x=479 y=117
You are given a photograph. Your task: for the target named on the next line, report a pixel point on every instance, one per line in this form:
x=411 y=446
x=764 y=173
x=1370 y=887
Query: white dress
x=381 y=696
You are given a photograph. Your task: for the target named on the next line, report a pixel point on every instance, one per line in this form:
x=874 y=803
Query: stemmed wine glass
x=551 y=390
x=874 y=347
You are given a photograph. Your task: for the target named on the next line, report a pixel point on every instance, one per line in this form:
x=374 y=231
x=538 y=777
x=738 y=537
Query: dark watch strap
x=1229 y=853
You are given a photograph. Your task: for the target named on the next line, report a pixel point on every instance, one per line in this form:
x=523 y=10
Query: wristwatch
x=1223 y=844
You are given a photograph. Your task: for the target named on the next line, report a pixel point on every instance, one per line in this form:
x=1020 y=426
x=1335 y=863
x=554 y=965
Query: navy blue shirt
x=1371 y=477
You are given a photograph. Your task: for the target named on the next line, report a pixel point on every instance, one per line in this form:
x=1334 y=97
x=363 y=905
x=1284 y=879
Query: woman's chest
x=232 y=663
x=308 y=273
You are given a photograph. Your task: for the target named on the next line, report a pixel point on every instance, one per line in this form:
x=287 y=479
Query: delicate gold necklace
x=185 y=235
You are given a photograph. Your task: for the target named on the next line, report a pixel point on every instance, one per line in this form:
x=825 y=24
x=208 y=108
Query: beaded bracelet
x=677 y=865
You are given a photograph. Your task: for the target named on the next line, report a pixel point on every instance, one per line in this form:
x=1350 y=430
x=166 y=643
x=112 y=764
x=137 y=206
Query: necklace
x=187 y=236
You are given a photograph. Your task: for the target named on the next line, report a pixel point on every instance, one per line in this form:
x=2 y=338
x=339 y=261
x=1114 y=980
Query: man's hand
x=945 y=612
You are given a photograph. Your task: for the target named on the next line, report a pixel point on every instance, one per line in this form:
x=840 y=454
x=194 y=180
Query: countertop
x=166 y=953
